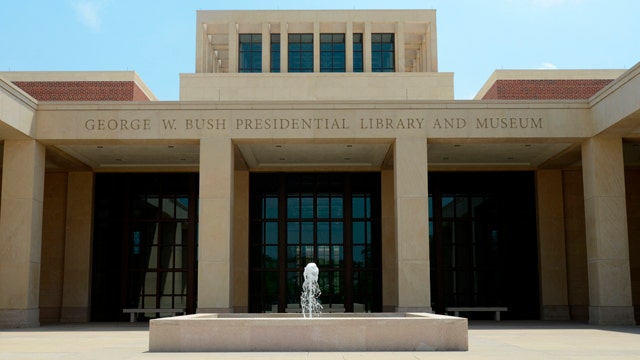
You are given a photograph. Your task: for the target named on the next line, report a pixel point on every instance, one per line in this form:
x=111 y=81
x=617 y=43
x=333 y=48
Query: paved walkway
x=487 y=340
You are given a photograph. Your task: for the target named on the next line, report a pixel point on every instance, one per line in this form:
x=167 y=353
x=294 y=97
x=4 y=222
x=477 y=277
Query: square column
x=400 y=47
x=284 y=47
x=240 y=249
x=266 y=48
x=551 y=245
x=215 y=225
x=389 y=244
x=366 y=47
x=606 y=232
x=316 y=47
x=412 y=224
x=348 y=47
x=21 y=232
x=77 y=248
x=233 y=48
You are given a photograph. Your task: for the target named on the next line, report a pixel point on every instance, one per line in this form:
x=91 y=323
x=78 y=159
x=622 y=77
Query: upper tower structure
x=358 y=45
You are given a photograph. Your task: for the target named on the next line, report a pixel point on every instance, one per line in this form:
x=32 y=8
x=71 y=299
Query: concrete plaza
x=487 y=340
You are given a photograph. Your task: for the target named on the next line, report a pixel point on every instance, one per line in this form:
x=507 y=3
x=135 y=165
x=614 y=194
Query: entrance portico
x=160 y=203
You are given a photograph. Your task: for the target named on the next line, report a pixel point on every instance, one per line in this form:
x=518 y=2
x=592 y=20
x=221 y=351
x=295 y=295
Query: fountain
x=310 y=292
x=230 y=332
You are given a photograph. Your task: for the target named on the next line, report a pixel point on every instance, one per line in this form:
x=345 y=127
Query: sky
x=475 y=37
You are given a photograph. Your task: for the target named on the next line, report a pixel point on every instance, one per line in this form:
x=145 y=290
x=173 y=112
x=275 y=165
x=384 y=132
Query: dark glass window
x=250 y=53
x=382 y=53
x=482 y=236
x=357 y=53
x=300 y=52
x=275 y=53
x=330 y=219
x=144 y=244
x=332 y=53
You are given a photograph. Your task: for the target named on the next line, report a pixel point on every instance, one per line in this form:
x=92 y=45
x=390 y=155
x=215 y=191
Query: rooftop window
x=250 y=53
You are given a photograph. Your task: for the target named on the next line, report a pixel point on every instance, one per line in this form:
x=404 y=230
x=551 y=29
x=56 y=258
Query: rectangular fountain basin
x=291 y=332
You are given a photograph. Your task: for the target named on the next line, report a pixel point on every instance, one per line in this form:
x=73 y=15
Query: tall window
x=250 y=53
x=332 y=219
x=275 y=53
x=483 y=242
x=382 y=53
x=332 y=53
x=357 y=53
x=300 y=52
x=144 y=244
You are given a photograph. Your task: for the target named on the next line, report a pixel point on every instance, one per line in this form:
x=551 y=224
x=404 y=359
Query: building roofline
x=547 y=74
x=17 y=92
x=50 y=76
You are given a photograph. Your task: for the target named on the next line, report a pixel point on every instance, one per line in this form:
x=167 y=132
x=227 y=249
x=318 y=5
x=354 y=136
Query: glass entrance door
x=483 y=242
x=330 y=219
x=144 y=244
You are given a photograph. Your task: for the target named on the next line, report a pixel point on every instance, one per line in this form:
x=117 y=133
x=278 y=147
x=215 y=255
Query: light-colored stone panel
x=240 y=247
x=216 y=166
x=389 y=243
x=412 y=214
x=414 y=284
x=577 y=272
x=53 y=236
x=23 y=159
x=21 y=225
x=607 y=235
x=16 y=230
x=616 y=102
x=19 y=318
x=17 y=111
x=551 y=243
x=14 y=281
x=609 y=282
x=413 y=228
x=317 y=86
x=500 y=120
x=606 y=224
x=603 y=169
x=216 y=226
x=291 y=332
x=214 y=289
x=410 y=163
x=214 y=230
x=611 y=315
x=77 y=275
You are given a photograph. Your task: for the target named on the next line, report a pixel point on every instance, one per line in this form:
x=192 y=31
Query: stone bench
x=457 y=309
x=132 y=312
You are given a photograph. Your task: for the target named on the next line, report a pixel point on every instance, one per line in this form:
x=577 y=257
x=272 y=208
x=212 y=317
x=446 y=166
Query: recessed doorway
x=332 y=219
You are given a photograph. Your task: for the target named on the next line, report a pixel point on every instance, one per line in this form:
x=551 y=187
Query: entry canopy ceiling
x=343 y=155
x=314 y=155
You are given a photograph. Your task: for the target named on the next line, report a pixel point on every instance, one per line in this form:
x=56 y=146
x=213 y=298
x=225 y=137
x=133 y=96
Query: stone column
x=551 y=245
x=215 y=227
x=399 y=47
x=266 y=48
x=21 y=232
x=77 y=248
x=316 y=47
x=606 y=230
x=348 y=48
x=284 y=47
x=412 y=224
x=366 y=47
x=240 y=247
x=389 y=244
x=233 y=48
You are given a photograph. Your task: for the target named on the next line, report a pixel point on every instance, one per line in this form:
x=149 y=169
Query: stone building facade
x=324 y=136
